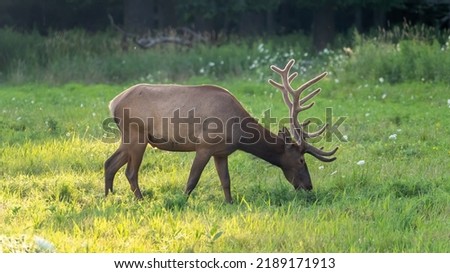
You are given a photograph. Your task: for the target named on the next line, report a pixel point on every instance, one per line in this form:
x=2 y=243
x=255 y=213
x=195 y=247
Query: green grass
x=51 y=178
x=52 y=148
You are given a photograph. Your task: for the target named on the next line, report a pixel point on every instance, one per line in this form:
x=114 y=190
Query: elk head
x=293 y=164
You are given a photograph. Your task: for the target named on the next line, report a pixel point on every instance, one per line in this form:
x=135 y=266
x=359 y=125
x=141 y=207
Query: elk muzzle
x=299 y=178
x=304 y=187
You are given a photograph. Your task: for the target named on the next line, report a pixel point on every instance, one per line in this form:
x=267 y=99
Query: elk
x=210 y=121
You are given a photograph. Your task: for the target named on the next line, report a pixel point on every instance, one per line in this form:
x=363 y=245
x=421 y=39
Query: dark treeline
x=323 y=19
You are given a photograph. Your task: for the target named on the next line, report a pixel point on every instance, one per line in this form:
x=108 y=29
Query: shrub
x=378 y=60
x=398 y=55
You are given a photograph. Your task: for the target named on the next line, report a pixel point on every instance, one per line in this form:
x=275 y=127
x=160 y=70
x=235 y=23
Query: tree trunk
x=167 y=13
x=379 y=18
x=359 y=19
x=323 y=26
x=270 y=22
x=139 y=15
x=251 y=23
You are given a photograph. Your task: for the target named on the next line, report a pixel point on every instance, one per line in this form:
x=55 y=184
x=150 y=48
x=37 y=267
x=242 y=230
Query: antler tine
x=286 y=79
x=292 y=99
x=311 y=81
x=284 y=87
x=296 y=105
x=309 y=96
x=322 y=158
x=305 y=86
x=292 y=77
x=286 y=68
x=285 y=93
x=316 y=133
x=320 y=154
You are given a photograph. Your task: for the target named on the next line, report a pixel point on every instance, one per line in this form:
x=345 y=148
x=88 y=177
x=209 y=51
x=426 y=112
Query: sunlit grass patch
x=382 y=194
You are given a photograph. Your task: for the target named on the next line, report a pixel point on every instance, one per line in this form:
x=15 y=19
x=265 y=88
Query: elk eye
x=302 y=161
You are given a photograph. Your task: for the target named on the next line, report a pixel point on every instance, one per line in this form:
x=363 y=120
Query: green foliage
x=380 y=4
x=222 y=8
x=79 y=56
x=16 y=47
x=415 y=57
x=396 y=55
x=57 y=14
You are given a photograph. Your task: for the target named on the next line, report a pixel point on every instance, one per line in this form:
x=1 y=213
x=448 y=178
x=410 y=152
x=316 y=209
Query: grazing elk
x=209 y=120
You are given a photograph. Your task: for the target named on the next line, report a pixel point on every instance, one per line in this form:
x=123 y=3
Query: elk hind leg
x=200 y=161
x=112 y=165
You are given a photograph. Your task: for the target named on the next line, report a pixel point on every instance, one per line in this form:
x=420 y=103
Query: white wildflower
x=393 y=137
x=201 y=71
x=43 y=245
x=345 y=137
x=81 y=105
x=381 y=80
x=261 y=48
x=336 y=80
x=321 y=167
x=383 y=96
x=211 y=64
x=367 y=114
x=254 y=64
x=448 y=102
x=361 y=162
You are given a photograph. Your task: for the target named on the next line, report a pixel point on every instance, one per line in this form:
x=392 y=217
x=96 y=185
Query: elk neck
x=261 y=143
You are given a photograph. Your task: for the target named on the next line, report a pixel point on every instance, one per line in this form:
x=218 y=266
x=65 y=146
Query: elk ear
x=285 y=135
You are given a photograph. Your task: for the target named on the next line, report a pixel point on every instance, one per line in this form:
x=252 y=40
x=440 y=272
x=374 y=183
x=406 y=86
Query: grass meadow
x=388 y=190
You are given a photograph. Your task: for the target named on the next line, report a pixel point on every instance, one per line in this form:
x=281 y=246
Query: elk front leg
x=200 y=161
x=224 y=176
